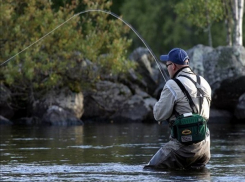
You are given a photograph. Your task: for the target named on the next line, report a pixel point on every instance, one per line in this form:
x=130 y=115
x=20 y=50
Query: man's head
x=175 y=59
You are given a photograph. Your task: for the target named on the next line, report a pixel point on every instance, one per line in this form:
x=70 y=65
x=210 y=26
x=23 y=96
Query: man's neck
x=179 y=70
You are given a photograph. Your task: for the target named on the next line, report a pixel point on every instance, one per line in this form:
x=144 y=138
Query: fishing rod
x=164 y=75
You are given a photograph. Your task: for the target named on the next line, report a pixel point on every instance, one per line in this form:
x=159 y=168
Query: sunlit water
x=111 y=152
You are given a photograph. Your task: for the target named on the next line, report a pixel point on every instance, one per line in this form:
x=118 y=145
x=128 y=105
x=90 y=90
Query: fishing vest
x=190 y=128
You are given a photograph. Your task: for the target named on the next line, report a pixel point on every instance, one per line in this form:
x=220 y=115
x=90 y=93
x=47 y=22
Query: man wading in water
x=185 y=104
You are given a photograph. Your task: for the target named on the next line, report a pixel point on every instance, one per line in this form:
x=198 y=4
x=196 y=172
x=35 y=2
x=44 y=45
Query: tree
x=237 y=10
x=59 y=59
x=160 y=26
x=201 y=13
x=204 y=13
x=228 y=20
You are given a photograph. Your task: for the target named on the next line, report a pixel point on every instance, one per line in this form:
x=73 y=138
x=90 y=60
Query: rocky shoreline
x=131 y=99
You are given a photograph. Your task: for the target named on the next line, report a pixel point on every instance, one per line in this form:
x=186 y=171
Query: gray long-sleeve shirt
x=172 y=98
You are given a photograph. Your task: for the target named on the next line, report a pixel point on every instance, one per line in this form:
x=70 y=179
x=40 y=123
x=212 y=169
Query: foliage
x=200 y=13
x=168 y=24
x=157 y=22
x=59 y=59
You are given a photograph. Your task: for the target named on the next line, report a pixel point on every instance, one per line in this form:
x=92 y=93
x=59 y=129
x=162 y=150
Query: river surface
x=111 y=152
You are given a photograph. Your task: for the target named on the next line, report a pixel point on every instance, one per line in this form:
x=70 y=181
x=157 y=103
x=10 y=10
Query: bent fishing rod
x=164 y=75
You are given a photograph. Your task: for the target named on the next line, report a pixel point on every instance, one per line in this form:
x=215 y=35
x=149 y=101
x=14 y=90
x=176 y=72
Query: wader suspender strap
x=200 y=92
x=197 y=84
x=193 y=107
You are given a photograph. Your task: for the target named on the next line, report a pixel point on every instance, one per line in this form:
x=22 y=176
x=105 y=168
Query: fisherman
x=185 y=98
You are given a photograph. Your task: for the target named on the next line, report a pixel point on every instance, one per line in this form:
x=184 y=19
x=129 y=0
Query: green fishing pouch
x=189 y=128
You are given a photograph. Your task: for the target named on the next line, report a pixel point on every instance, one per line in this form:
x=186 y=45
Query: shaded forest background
x=161 y=25
x=166 y=24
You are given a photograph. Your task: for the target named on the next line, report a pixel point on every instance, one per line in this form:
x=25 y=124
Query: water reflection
x=111 y=152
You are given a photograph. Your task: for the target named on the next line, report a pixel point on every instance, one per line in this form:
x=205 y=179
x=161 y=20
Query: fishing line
x=164 y=75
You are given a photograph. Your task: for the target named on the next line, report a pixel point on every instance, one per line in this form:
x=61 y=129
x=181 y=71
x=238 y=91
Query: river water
x=111 y=152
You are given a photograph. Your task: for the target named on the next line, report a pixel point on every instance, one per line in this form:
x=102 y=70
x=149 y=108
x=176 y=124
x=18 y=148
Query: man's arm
x=163 y=108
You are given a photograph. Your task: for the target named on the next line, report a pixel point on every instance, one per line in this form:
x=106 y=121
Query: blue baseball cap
x=176 y=55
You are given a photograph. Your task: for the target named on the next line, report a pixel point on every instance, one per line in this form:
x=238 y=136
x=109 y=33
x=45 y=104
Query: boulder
x=228 y=94
x=227 y=79
x=28 y=121
x=138 y=108
x=58 y=116
x=5 y=102
x=62 y=107
x=240 y=108
x=224 y=68
x=147 y=74
x=196 y=55
x=220 y=116
x=105 y=99
x=223 y=63
x=5 y=121
x=115 y=102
